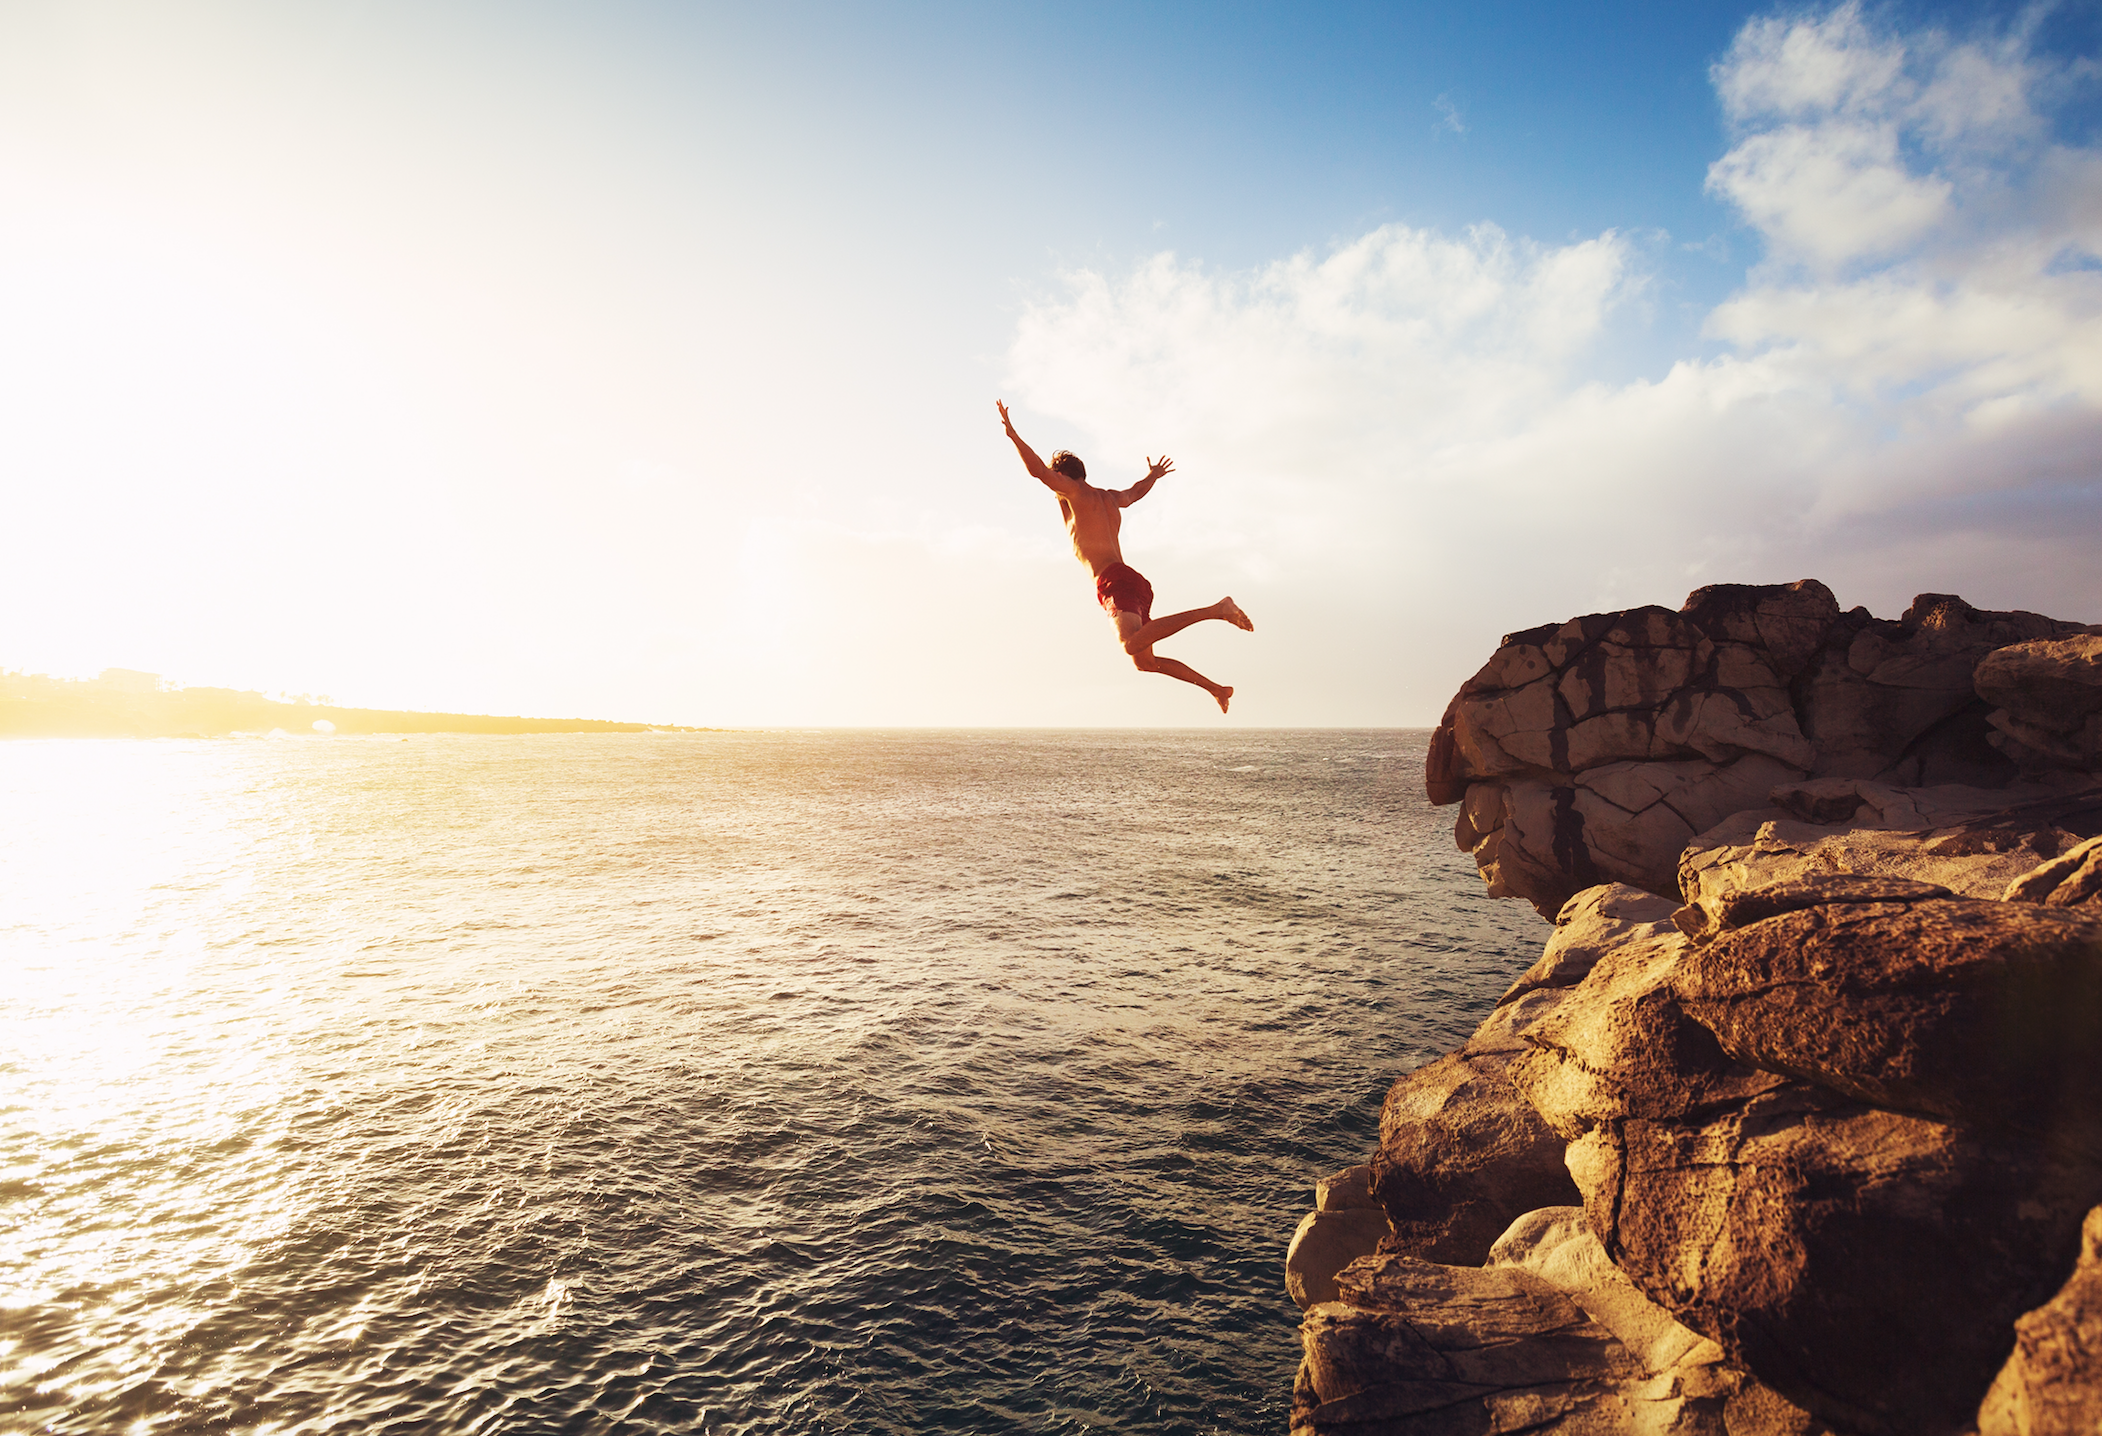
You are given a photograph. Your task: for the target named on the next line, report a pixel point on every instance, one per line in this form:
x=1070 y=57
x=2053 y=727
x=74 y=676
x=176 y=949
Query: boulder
x=1419 y=1349
x=1643 y=725
x=2052 y=1384
x=1597 y=750
x=1590 y=925
x=1346 y=1224
x=2073 y=878
x=2046 y=699
x=1986 y=1013
x=1622 y=1045
x=1867 y=1265
x=1782 y=851
x=1549 y=1337
x=1460 y=1155
x=1556 y=1245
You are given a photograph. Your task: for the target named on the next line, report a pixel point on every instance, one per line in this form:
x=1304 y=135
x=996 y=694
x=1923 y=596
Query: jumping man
x=1093 y=517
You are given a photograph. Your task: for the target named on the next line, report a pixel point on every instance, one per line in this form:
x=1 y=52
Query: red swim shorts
x=1120 y=586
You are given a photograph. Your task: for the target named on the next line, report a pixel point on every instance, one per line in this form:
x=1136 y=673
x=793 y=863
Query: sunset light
x=1371 y=718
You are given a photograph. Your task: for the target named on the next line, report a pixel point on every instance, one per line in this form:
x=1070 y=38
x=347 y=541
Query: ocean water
x=777 y=1082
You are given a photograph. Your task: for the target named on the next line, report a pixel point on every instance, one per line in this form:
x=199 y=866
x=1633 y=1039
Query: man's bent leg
x=1225 y=610
x=1130 y=628
x=1148 y=663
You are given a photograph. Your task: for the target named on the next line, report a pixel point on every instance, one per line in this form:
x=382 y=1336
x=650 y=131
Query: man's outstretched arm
x=1037 y=468
x=1155 y=468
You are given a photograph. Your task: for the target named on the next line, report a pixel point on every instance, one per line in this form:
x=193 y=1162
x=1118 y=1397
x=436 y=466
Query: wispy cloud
x=1909 y=397
x=1856 y=145
x=1449 y=117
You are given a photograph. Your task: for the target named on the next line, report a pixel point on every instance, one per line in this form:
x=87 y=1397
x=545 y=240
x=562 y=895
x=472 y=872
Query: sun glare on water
x=147 y=1147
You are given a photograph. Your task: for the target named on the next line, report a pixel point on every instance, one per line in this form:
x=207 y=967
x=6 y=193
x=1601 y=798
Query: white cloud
x=1807 y=67
x=1313 y=369
x=1931 y=247
x=1911 y=396
x=1855 y=145
x=1831 y=192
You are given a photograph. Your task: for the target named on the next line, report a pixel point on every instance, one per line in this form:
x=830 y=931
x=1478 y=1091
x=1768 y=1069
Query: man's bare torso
x=1094 y=519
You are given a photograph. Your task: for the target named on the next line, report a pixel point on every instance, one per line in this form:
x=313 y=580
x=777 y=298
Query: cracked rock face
x=1866 y=1264
x=1978 y=1012
x=1638 y=728
x=1897 y=702
x=1596 y=750
x=1590 y=925
x=1849 y=1135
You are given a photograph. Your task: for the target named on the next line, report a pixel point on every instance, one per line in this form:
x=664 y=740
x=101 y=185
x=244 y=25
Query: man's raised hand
x=1157 y=467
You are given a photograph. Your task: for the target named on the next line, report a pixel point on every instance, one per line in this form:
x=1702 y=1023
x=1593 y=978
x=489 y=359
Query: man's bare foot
x=1224 y=695
x=1231 y=612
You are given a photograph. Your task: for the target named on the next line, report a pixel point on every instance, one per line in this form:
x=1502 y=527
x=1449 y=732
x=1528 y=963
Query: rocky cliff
x=1796 y=1125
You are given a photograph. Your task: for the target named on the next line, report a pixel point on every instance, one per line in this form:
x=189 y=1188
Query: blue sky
x=639 y=359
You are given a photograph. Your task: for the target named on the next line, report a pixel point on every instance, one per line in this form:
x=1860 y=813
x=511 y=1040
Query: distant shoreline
x=37 y=707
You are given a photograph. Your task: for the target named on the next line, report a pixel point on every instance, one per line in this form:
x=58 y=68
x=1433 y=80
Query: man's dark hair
x=1066 y=462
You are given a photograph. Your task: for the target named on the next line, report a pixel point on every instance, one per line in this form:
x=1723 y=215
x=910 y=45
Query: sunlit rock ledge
x=1796 y=1124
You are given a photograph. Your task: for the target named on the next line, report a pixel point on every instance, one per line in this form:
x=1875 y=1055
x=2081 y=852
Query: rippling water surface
x=840 y=1082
